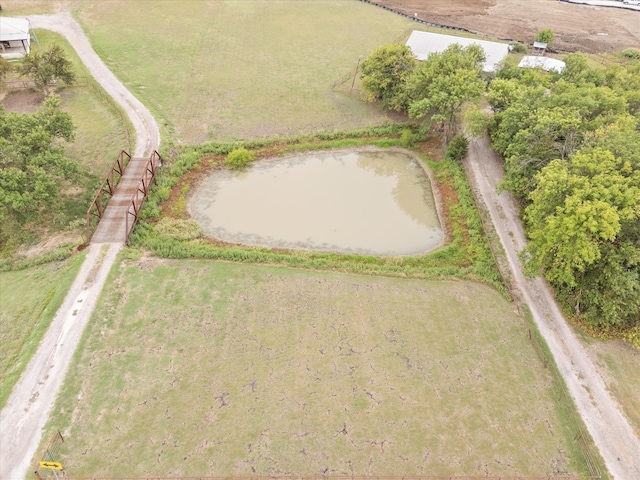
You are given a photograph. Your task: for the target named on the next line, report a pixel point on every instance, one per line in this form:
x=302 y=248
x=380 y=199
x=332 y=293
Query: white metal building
x=544 y=63
x=15 y=37
x=422 y=44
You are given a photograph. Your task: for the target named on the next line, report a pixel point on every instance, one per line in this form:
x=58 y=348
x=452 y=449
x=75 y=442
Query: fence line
x=81 y=81
x=52 y=454
x=349 y=477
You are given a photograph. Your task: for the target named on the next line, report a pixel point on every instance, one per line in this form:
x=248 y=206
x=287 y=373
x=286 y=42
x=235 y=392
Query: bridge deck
x=113 y=224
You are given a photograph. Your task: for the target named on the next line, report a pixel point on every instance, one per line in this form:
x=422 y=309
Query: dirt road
x=28 y=407
x=585 y=28
x=147 y=132
x=613 y=435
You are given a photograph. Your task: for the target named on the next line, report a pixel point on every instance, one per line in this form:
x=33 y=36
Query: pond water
x=368 y=201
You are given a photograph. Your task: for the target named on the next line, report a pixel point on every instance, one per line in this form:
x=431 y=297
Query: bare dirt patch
x=22 y=101
x=584 y=28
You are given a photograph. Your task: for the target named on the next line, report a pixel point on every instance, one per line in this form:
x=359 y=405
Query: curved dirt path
x=614 y=437
x=147 y=133
x=28 y=407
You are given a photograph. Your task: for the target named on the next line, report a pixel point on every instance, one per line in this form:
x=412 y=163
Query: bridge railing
x=105 y=192
x=142 y=190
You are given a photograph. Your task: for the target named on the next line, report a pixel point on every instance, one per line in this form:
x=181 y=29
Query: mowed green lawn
x=225 y=69
x=29 y=300
x=192 y=368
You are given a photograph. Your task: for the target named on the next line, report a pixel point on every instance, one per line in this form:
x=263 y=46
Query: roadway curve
x=28 y=407
x=611 y=432
x=147 y=133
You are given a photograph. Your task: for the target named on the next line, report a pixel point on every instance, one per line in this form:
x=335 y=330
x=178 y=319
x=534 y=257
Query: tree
x=584 y=225
x=33 y=163
x=47 y=68
x=546 y=35
x=5 y=68
x=444 y=82
x=385 y=74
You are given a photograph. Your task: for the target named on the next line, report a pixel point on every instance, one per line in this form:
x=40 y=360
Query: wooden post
x=355 y=73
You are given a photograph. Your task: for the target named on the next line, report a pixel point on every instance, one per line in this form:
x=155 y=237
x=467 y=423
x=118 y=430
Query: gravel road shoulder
x=612 y=434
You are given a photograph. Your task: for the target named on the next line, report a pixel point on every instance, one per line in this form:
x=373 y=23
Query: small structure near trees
x=15 y=37
x=539 y=48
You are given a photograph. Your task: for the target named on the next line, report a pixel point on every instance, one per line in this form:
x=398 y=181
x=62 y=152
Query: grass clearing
x=29 y=299
x=223 y=70
x=208 y=368
x=619 y=364
x=15 y=8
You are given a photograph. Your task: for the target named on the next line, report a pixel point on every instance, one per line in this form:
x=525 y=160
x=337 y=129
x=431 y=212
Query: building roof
x=541 y=45
x=12 y=29
x=545 y=63
x=422 y=44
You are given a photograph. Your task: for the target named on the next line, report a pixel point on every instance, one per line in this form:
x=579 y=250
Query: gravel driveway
x=614 y=437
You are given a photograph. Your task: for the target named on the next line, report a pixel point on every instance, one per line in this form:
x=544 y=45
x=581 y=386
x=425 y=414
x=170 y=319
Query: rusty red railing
x=106 y=190
x=148 y=177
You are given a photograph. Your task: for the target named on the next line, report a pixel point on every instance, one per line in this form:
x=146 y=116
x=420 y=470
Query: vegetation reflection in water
x=370 y=201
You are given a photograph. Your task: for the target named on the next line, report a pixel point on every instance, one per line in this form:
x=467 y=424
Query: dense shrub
x=408 y=138
x=518 y=47
x=179 y=229
x=457 y=148
x=239 y=158
x=633 y=53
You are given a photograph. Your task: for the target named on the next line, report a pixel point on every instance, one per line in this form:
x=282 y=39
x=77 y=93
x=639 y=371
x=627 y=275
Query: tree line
x=33 y=165
x=571 y=146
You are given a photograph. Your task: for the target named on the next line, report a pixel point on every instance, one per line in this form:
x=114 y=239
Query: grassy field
x=220 y=70
x=619 y=364
x=28 y=302
x=15 y=8
x=213 y=368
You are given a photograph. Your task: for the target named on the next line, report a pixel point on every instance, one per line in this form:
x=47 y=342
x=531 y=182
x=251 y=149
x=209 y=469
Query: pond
x=366 y=201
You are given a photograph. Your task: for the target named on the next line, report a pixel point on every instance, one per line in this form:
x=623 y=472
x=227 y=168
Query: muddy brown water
x=366 y=201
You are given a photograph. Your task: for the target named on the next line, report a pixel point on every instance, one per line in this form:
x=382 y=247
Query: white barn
x=15 y=37
x=422 y=44
x=545 y=63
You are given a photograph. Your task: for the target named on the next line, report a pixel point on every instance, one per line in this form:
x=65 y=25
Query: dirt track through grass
x=29 y=299
x=196 y=368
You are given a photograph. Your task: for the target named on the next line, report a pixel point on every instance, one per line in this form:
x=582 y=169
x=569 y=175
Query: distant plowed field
x=582 y=28
x=191 y=368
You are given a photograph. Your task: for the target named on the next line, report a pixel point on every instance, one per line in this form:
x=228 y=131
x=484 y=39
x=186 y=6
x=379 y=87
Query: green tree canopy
x=546 y=35
x=584 y=225
x=385 y=74
x=47 y=68
x=445 y=81
x=571 y=144
x=33 y=162
x=5 y=68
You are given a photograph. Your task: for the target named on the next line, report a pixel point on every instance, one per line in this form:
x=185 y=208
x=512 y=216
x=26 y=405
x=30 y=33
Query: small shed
x=539 y=48
x=545 y=63
x=15 y=37
x=423 y=44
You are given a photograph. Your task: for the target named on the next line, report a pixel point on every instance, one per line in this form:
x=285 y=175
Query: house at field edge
x=422 y=44
x=15 y=37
